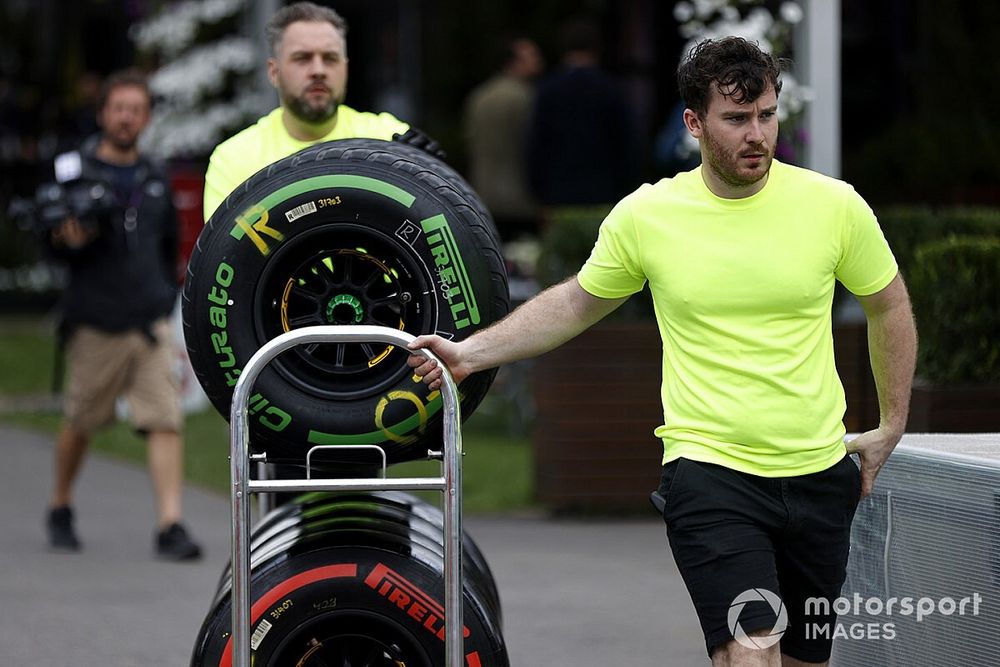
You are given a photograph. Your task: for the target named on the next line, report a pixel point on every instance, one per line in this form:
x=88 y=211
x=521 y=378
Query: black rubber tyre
x=364 y=592
x=358 y=231
x=393 y=512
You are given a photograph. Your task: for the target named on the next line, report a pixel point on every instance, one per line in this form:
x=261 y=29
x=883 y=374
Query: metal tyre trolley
x=449 y=483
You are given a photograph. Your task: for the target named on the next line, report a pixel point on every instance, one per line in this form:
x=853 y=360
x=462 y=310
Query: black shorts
x=742 y=542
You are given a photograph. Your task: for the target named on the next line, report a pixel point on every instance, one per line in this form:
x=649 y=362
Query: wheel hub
x=344 y=276
x=344 y=309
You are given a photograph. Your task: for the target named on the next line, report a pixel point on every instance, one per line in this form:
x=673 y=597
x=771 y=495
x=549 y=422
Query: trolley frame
x=449 y=483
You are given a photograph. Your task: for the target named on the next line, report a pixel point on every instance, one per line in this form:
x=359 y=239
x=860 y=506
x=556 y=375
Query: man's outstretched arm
x=544 y=323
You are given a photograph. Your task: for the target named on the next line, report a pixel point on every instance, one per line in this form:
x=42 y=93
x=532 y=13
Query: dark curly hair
x=738 y=69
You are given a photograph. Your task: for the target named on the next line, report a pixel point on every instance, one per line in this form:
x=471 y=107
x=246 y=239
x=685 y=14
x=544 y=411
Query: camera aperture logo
x=758 y=641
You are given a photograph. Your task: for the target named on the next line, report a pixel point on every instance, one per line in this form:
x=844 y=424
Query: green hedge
x=955 y=287
x=568 y=236
x=907 y=227
x=566 y=242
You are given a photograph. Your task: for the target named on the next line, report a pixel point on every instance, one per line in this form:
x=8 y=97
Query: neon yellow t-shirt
x=743 y=291
x=241 y=156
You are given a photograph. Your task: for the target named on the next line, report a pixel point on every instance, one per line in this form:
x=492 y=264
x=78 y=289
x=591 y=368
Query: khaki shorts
x=103 y=366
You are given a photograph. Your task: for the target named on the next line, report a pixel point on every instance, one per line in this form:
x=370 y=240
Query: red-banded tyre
x=352 y=592
x=358 y=231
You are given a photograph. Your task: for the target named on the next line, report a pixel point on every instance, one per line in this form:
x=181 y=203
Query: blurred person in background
x=583 y=146
x=121 y=291
x=496 y=121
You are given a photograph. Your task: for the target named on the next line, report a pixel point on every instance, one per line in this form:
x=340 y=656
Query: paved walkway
x=574 y=593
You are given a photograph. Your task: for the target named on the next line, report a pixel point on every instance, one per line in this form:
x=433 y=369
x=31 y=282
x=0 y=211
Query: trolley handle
x=450 y=483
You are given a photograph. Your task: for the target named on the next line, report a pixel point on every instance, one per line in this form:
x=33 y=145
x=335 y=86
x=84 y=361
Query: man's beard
x=311 y=114
x=726 y=164
x=122 y=141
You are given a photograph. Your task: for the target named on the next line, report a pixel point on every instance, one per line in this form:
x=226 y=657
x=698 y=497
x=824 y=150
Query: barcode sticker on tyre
x=259 y=634
x=299 y=211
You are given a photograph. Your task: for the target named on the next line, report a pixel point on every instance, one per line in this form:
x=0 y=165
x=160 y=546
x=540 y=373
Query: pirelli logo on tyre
x=417 y=604
x=453 y=279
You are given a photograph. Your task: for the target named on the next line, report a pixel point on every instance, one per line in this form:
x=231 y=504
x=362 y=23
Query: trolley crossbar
x=242 y=486
x=396 y=484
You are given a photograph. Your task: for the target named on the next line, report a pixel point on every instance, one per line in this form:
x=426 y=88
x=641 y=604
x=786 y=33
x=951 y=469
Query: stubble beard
x=726 y=165
x=309 y=113
x=122 y=141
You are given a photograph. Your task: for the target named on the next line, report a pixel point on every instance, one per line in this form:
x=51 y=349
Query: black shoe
x=174 y=543
x=62 y=537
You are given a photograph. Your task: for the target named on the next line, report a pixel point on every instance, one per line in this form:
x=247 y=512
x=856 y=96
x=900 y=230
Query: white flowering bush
x=175 y=28
x=204 y=81
x=754 y=21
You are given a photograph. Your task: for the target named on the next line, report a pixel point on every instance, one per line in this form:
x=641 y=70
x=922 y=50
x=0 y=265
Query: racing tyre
x=390 y=511
x=337 y=590
x=358 y=231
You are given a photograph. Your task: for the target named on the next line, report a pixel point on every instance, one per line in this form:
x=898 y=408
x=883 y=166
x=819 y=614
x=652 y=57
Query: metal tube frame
x=450 y=483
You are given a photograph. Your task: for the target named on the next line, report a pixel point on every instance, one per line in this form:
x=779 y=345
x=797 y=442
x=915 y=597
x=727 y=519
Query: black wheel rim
x=345 y=274
x=350 y=639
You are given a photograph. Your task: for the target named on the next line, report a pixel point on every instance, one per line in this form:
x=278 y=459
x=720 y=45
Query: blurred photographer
x=110 y=218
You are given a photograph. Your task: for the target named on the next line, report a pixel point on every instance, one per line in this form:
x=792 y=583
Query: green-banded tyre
x=357 y=231
x=352 y=592
x=394 y=512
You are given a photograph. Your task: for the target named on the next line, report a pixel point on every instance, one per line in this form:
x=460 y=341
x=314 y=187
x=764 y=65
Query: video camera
x=71 y=195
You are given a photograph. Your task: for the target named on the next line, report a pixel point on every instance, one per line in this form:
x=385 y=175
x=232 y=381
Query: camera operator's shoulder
x=155 y=178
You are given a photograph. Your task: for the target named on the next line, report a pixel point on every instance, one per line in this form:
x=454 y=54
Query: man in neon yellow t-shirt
x=741 y=255
x=308 y=68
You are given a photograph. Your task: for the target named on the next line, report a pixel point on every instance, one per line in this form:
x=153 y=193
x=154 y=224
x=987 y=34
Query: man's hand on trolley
x=452 y=354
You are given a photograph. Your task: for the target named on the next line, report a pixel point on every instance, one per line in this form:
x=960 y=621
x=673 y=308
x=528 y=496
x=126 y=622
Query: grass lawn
x=27 y=355
x=497 y=468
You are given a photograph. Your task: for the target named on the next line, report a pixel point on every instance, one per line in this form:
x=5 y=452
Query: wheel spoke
x=303 y=290
x=312 y=657
x=392 y=305
x=365 y=286
x=346 y=282
x=377 y=315
x=348 y=261
x=391 y=300
x=303 y=321
x=348 y=649
x=376 y=657
x=328 y=271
